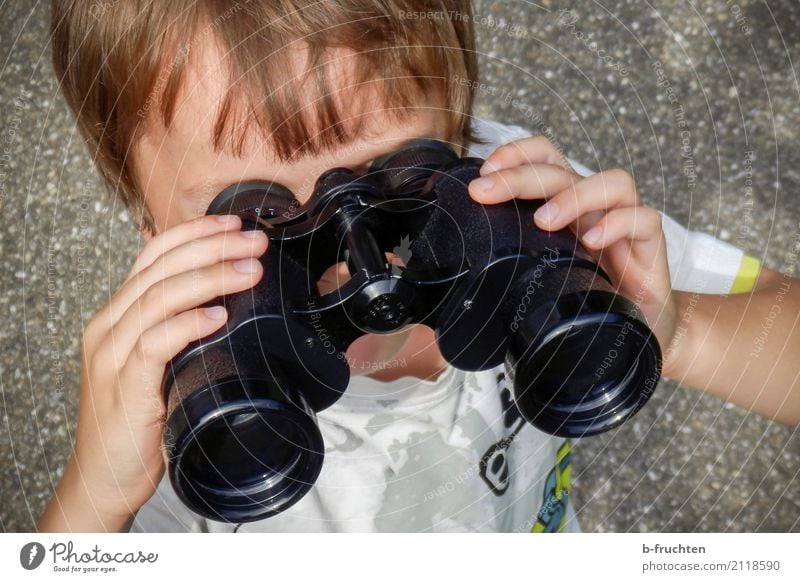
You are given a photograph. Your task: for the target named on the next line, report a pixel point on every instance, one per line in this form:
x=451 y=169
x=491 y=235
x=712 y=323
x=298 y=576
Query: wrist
x=678 y=354
x=78 y=507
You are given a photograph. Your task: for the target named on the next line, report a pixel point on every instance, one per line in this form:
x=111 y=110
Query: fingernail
x=483 y=184
x=489 y=167
x=216 y=312
x=593 y=235
x=226 y=218
x=547 y=213
x=252 y=233
x=246 y=265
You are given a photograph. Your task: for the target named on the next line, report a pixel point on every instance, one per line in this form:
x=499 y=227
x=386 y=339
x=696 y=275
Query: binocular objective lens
x=242 y=451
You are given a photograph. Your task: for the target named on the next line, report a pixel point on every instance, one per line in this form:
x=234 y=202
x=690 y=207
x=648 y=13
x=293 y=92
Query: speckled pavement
x=675 y=92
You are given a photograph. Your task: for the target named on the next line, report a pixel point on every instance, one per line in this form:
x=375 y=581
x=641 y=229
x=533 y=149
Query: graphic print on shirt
x=494 y=465
x=494 y=462
x=552 y=515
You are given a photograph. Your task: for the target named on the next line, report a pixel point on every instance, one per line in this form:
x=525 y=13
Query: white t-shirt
x=450 y=455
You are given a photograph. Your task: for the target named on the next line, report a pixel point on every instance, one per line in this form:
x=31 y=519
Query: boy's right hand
x=128 y=343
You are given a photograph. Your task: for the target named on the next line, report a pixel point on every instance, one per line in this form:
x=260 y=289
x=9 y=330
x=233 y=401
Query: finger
x=636 y=223
x=183 y=233
x=529 y=150
x=587 y=200
x=175 y=294
x=154 y=349
x=191 y=255
x=527 y=182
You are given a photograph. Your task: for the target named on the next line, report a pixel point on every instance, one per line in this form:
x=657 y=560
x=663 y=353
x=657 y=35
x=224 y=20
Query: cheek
x=167 y=208
x=171 y=210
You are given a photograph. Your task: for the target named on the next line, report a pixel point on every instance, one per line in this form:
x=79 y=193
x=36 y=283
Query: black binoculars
x=242 y=435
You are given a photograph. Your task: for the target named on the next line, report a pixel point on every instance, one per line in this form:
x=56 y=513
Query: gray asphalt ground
x=687 y=462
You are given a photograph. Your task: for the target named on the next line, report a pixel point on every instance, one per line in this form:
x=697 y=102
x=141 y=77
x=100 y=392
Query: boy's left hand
x=604 y=211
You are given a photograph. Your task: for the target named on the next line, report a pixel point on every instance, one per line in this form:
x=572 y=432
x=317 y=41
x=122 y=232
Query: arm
x=73 y=508
x=117 y=459
x=744 y=348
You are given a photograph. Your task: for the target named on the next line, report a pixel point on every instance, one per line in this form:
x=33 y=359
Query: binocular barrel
x=241 y=430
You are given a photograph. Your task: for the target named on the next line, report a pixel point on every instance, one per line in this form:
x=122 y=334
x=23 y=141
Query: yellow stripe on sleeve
x=746 y=278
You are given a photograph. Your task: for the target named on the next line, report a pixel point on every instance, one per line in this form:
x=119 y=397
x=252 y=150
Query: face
x=180 y=173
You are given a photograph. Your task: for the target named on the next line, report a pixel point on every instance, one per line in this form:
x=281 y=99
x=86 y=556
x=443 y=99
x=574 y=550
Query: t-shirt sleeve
x=701 y=263
x=698 y=262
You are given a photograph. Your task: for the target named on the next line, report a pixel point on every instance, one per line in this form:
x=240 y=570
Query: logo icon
x=403 y=251
x=31 y=555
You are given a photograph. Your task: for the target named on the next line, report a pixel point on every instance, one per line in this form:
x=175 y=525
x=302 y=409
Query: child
x=181 y=99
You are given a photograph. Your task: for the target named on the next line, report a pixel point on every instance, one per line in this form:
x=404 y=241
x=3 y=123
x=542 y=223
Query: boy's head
x=180 y=99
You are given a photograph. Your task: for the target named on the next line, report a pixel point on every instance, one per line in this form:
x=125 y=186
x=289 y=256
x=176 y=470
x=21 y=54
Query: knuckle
x=150 y=248
x=94 y=330
x=95 y=366
x=541 y=141
x=153 y=294
x=198 y=226
x=507 y=149
x=223 y=244
x=651 y=217
x=149 y=253
x=532 y=149
x=90 y=330
x=621 y=179
x=137 y=265
x=143 y=350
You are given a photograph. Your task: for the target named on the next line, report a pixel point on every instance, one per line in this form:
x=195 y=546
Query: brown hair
x=117 y=60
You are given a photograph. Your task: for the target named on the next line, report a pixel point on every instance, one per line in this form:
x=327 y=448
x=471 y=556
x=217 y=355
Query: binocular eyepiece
x=241 y=432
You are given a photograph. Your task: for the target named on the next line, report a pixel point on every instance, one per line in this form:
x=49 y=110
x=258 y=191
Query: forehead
x=181 y=165
x=200 y=109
